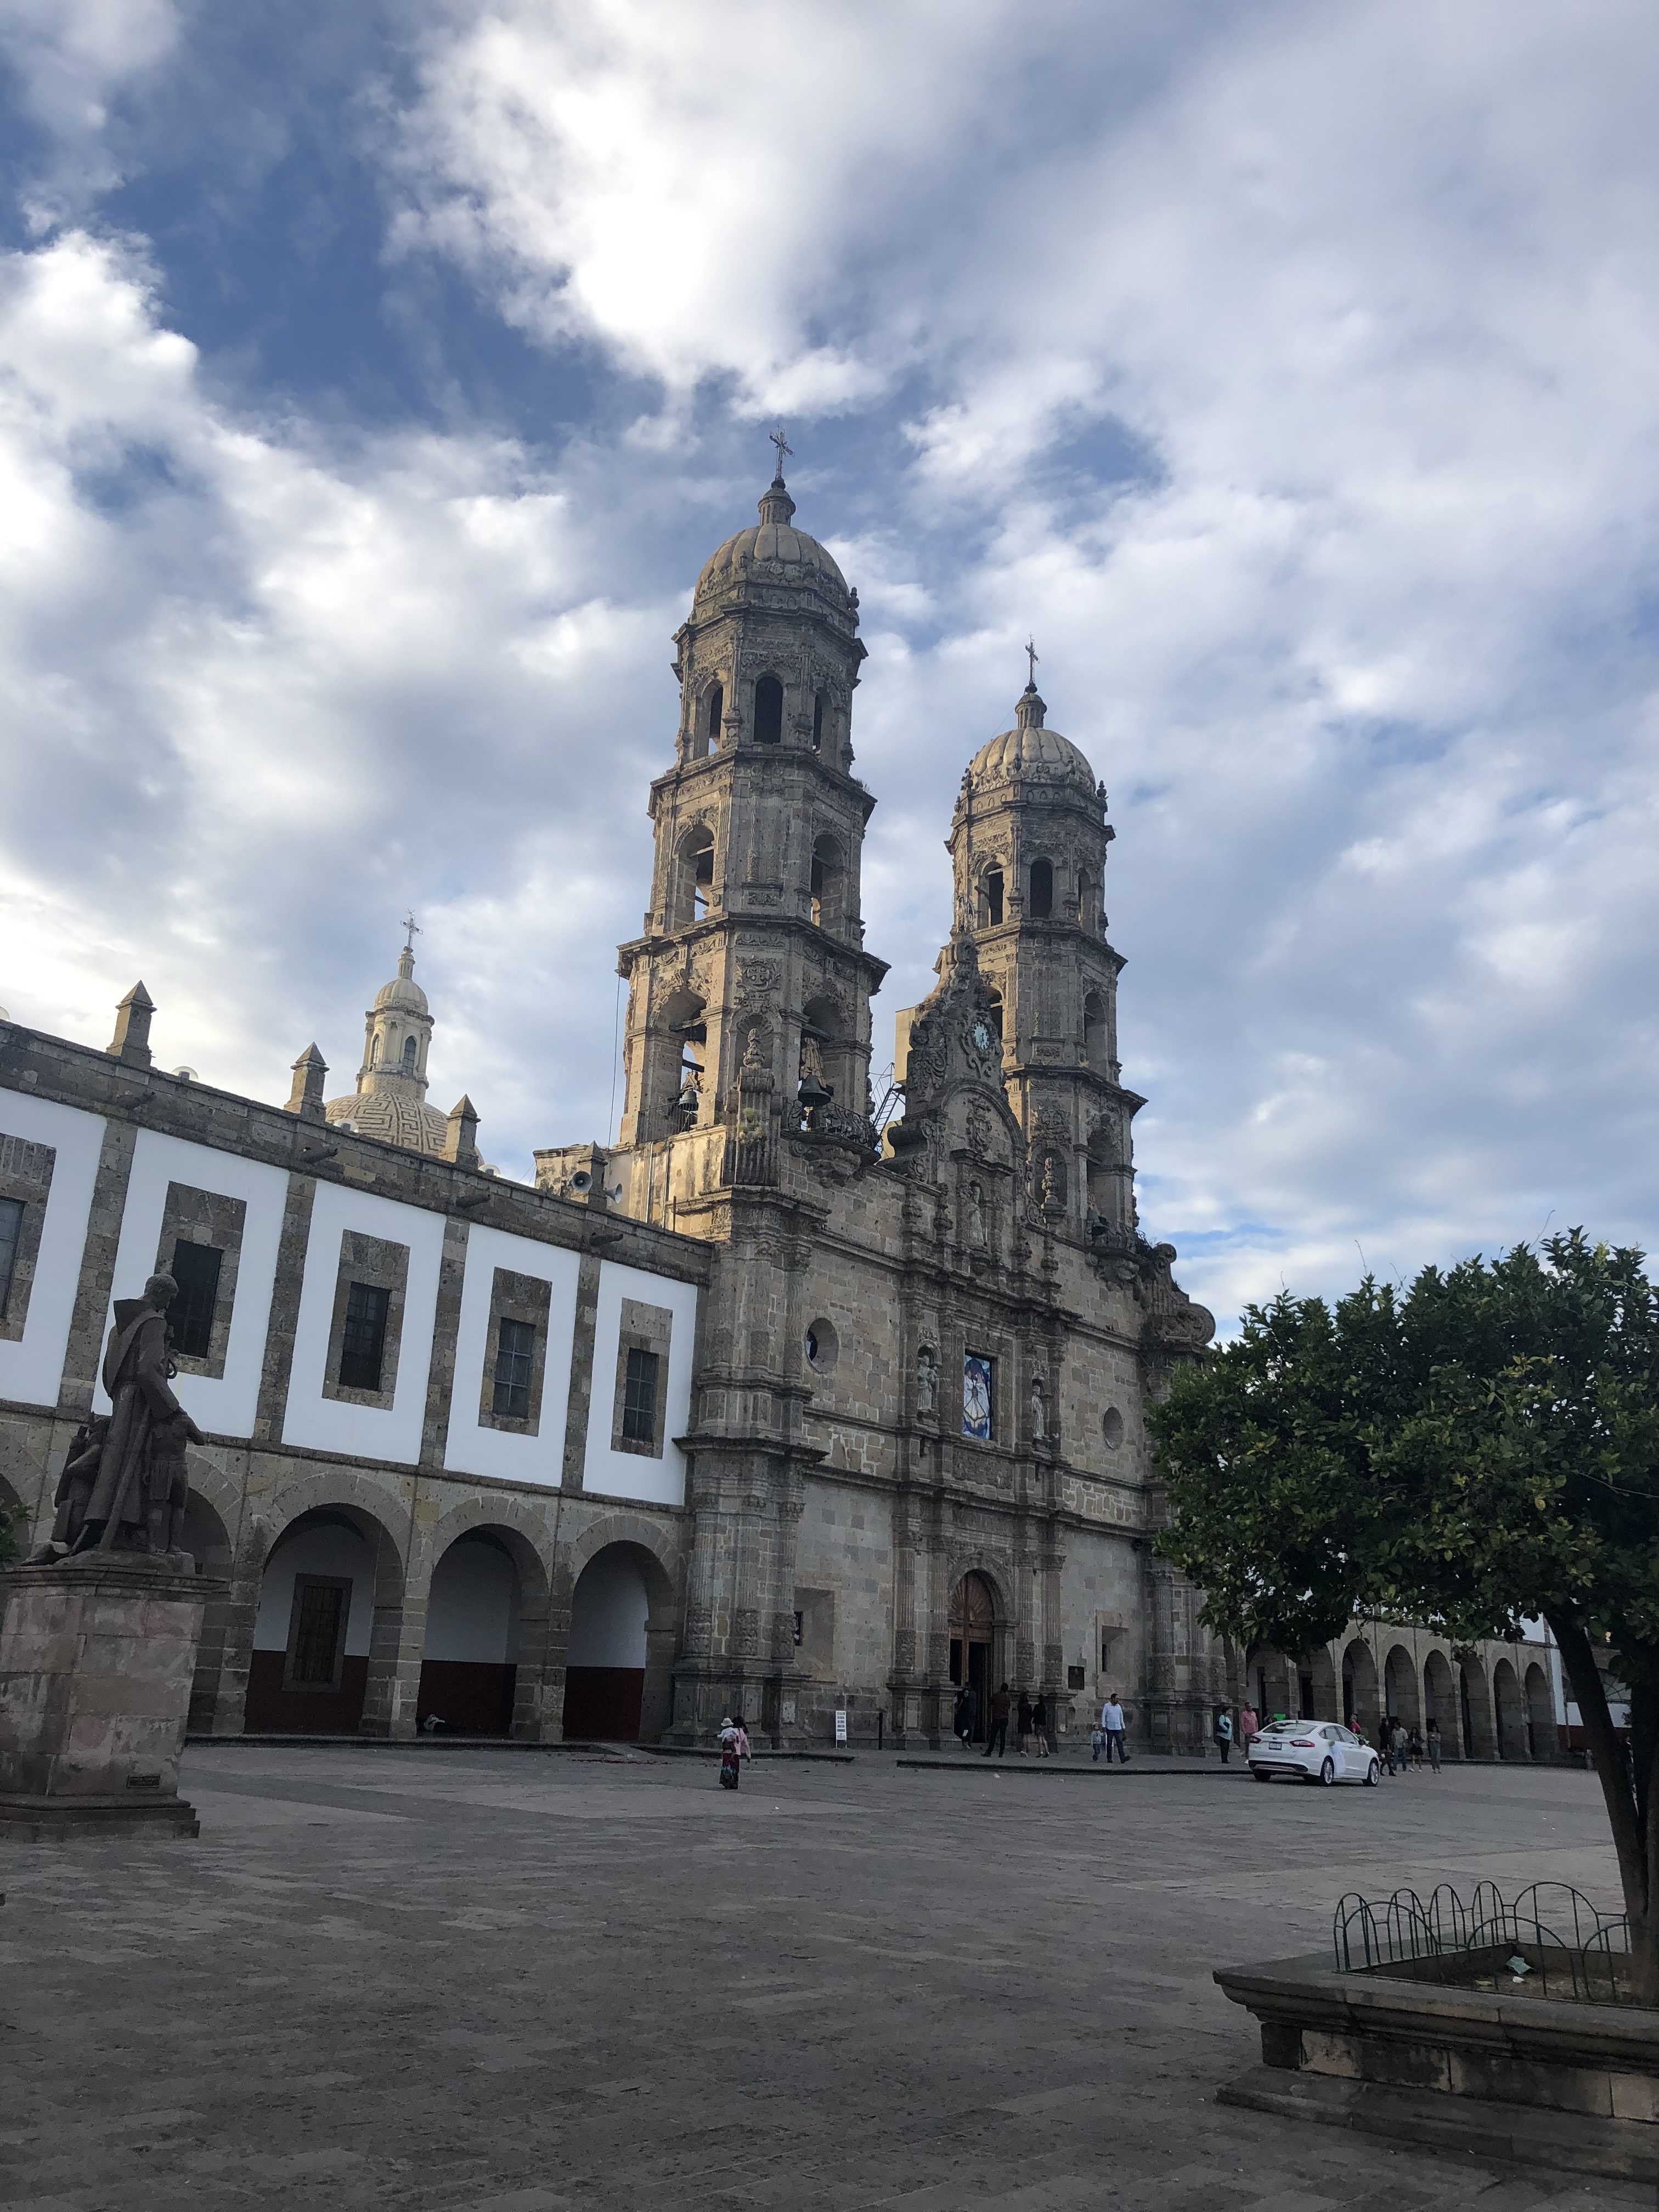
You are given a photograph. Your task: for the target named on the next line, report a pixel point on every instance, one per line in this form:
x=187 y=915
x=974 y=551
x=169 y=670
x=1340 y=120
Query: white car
x=1314 y=1750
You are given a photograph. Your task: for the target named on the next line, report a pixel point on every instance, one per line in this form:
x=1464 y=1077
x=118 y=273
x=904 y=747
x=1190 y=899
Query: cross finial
x=1031 y=657
x=414 y=930
x=783 y=446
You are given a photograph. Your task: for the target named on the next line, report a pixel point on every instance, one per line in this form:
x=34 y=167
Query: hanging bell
x=814 y=1090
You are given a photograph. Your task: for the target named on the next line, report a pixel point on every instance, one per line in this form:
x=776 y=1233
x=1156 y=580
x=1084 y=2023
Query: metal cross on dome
x=1032 y=658
x=414 y=929
x=778 y=440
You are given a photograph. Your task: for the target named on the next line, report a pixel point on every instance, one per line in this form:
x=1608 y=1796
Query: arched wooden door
x=973 y=1645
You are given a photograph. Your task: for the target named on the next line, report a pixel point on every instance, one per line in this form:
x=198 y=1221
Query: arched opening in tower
x=713 y=708
x=693 y=879
x=990 y=899
x=825 y=882
x=1040 y=904
x=769 y=711
x=818 y=722
x=994 y=1009
x=1096 y=1044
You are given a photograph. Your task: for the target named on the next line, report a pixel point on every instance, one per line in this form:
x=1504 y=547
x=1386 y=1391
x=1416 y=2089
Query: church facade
x=783 y=1403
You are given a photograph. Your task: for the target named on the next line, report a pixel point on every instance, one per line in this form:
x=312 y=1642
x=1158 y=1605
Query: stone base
x=1562 y=2080
x=97 y=1656
x=1576 y=2140
x=63 y=1820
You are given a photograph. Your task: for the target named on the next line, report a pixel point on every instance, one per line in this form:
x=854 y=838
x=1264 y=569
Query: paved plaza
x=500 y=1981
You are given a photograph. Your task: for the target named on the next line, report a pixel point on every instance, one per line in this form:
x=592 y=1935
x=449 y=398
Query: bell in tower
x=751 y=962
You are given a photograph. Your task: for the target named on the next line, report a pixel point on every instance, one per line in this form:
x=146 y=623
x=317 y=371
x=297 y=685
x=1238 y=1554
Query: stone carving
x=927 y=1380
x=1039 y=1410
x=124 y=1485
x=981 y=1133
x=975 y=1214
x=758 y=975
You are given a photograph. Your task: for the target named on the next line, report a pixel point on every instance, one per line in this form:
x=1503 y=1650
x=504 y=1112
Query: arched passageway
x=1270 y=1683
x=315 y=1625
x=1511 y=1711
x=608 y=1657
x=1360 y=1709
x=1440 y=1693
x=1403 y=1698
x=973 y=1646
x=1541 y=1741
x=1475 y=1711
x=470 y=1657
x=1324 y=1702
x=207 y=1540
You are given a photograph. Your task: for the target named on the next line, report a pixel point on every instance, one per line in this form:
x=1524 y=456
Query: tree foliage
x=1478 y=1450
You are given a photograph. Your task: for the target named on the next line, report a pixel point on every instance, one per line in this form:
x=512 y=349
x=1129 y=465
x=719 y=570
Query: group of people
x=1031 y=1722
x=1398 y=1746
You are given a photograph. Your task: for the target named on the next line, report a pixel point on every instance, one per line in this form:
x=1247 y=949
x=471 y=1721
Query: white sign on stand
x=841 y=1723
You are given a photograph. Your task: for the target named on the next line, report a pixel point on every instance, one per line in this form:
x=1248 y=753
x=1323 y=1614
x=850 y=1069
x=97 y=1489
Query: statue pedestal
x=97 y=1654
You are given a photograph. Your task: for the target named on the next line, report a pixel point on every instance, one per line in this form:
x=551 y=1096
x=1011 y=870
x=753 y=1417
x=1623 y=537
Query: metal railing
x=1546 y=1941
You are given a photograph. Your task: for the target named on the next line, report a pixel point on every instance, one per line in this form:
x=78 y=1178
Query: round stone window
x=822 y=1345
x=1111 y=1427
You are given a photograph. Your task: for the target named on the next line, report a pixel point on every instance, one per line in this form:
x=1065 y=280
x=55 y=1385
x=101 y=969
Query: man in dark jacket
x=1001 y=1706
x=967 y=1715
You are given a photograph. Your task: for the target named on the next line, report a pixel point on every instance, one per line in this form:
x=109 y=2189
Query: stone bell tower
x=753 y=945
x=1027 y=844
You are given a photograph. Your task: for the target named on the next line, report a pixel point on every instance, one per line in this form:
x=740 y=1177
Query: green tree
x=1478 y=1450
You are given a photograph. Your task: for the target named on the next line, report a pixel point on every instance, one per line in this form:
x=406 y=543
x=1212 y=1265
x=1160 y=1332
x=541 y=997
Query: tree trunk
x=1635 y=1835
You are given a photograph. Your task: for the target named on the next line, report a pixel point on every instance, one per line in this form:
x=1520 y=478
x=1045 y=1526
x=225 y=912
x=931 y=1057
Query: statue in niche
x=975 y=1214
x=927 y=1380
x=1039 y=1410
x=124 y=1485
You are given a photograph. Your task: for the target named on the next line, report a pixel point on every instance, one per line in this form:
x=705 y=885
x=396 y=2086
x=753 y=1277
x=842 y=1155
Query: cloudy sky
x=373 y=381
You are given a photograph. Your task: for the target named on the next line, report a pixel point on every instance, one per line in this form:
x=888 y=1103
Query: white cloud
x=1289 y=371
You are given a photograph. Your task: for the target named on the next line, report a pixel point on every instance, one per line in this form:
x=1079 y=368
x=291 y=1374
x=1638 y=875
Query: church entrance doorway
x=973 y=1646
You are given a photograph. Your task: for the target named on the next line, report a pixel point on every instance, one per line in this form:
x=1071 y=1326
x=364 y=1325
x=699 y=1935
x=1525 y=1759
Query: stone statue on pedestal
x=124 y=1485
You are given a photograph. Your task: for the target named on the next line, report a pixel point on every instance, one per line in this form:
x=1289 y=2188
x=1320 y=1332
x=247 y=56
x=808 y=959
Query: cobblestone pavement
x=488 y=1982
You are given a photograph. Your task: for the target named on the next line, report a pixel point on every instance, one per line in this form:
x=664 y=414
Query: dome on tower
x=772 y=551
x=403 y=992
x=1031 y=754
x=390 y=1100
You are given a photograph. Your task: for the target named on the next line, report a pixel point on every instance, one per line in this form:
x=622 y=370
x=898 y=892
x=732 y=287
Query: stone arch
x=826 y=1026
x=1270 y=1683
x=1326 y=1700
x=1402 y=1693
x=662 y=1569
x=827 y=881
x=1540 y=1713
x=997 y=1578
x=1511 y=1711
x=1475 y=1728
x=768 y=726
x=208 y=1540
x=1361 y=1708
x=707 y=715
x=691 y=884
x=365 y=1693
x=992 y=900
x=1440 y=1695
x=471 y=1689
x=974 y=1617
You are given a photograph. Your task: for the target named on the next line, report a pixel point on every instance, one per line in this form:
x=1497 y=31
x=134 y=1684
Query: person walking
x=1025 y=1723
x=734 y=1745
x=997 y=1738
x=1112 y=1729
x=1224 y=1732
x=967 y=1715
x=1248 y=1728
x=1040 y=1725
x=1397 y=1745
x=1417 y=1750
x=1434 y=1746
x=1385 y=1742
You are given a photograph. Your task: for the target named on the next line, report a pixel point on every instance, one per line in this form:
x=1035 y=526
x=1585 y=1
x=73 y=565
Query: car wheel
x=1261 y=1774
x=1373 y=1775
x=1327 y=1775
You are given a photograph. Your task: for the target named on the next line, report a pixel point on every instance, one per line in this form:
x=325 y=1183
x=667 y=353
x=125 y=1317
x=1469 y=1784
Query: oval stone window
x=822 y=1345
x=1111 y=1427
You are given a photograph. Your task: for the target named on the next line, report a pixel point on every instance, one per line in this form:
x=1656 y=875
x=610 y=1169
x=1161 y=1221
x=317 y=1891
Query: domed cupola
x=1030 y=754
x=770 y=553
x=390 y=1101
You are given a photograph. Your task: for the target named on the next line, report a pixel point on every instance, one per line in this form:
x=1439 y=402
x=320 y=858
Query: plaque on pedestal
x=97 y=1654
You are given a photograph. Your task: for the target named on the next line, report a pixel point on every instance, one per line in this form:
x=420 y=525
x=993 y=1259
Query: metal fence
x=1546 y=1941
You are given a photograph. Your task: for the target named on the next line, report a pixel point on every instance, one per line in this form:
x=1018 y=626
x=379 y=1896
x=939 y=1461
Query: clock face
x=982 y=1034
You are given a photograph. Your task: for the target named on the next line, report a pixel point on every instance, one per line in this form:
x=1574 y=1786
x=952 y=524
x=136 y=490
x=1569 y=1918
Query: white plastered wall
x=470 y=1447
x=392 y=1433
x=32 y=1367
x=472 y=1609
x=629 y=1474
x=325 y=1550
x=608 y=1612
x=225 y=1404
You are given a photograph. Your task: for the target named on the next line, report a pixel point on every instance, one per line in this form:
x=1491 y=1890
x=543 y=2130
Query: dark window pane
x=716 y=709
x=317 y=1634
x=196 y=1270
x=639 y=1397
x=1043 y=890
x=362 y=1349
x=515 y=1348
x=11 y=1237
